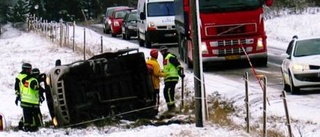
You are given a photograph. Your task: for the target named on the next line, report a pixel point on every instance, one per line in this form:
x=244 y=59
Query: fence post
x=74 y=33
x=84 y=44
x=61 y=32
x=287 y=113
x=67 y=35
x=247 y=101
x=101 y=44
x=264 y=79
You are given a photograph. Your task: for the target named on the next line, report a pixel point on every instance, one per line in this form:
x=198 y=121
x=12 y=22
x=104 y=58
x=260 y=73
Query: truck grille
x=231 y=30
x=230 y=47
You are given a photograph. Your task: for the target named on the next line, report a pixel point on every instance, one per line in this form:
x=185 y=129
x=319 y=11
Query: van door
x=141 y=24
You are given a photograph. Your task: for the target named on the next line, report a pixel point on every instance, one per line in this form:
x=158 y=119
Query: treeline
x=93 y=9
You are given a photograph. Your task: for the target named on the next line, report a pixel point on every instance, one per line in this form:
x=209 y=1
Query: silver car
x=301 y=67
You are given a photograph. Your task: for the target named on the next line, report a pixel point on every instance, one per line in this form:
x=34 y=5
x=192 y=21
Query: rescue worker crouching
x=30 y=101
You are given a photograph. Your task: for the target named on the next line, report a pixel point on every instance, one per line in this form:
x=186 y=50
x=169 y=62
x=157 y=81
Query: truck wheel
x=189 y=63
x=262 y=62
x=180 y=48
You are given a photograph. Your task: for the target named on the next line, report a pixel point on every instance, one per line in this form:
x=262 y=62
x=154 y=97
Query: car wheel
x=294 y=90
x=107 y=31
x=127 y=35
x=286 y=87
x=113 y=35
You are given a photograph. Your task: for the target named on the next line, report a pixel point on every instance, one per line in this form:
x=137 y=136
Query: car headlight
x=300 y=67
x=48 y=81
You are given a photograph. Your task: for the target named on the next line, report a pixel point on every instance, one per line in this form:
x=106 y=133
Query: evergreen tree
x=19 y=12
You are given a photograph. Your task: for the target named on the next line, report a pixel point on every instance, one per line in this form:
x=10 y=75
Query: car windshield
x=120 y=14
x=132 y=16
x=109 y=12
x=161 y=9
x=307 y=48
x=228 y=5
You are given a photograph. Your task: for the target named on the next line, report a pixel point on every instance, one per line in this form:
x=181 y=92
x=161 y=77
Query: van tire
x=148 y=44
x=141 y=42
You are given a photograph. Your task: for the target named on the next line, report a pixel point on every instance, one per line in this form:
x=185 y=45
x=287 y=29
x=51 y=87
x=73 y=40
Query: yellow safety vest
x=29 y=95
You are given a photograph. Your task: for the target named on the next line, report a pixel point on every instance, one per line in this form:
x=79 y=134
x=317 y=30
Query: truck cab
x=228 y=30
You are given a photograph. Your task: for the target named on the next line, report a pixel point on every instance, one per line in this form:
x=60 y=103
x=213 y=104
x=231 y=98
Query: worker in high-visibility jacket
x=26 y=69
x=25 y=72
x=173 y=69
x=30 y=102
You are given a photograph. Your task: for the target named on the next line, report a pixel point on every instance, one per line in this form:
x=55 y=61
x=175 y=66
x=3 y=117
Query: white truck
x=156 y=23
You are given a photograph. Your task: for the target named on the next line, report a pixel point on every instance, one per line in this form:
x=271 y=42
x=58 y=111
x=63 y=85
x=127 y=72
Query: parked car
x=111 y=84
x=107 y=22
x=129 y=25
x=301 y=67
x=116 y=20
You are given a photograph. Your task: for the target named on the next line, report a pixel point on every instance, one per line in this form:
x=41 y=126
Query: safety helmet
x=26 y=66
x=154 y=53
x=35 y=71
x=163 y=48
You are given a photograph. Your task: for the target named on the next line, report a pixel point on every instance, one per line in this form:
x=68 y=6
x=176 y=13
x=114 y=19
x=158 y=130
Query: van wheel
x=141 y=42
x=148 y=44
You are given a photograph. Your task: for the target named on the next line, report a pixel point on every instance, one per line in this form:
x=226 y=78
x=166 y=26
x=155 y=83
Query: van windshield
x=160 y=9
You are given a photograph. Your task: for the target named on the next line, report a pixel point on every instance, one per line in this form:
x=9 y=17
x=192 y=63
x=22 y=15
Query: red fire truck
x=226 y=27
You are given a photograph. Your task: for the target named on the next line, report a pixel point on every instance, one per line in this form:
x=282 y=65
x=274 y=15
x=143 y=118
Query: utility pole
x=196 y=63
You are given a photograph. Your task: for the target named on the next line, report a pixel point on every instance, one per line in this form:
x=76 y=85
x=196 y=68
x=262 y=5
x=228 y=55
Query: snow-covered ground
x=18 y=47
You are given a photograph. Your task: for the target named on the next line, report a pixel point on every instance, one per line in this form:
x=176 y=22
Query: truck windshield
x=229 y=5
x=161 y=9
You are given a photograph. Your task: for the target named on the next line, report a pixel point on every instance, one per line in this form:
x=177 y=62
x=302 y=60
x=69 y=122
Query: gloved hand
x=180 y=72
x=42 y=98
x=17 y=100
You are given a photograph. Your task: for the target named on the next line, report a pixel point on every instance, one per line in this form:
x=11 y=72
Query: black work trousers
x=32 y=118
x=168 y=92
x=156 y=97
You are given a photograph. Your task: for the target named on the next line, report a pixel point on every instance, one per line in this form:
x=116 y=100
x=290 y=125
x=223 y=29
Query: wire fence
x=65 y=34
